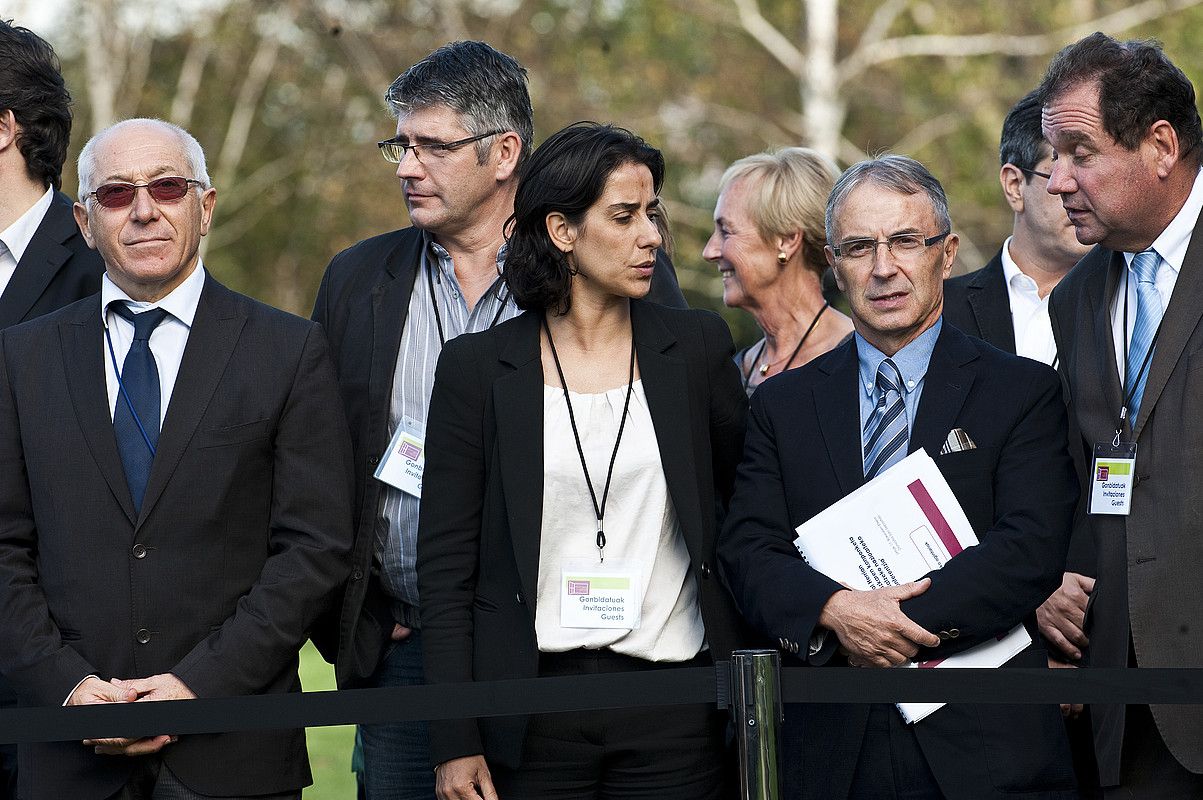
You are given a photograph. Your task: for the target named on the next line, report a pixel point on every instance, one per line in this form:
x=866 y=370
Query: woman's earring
x=782 y=258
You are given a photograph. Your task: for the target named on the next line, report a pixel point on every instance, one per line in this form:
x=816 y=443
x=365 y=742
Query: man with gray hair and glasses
x=995 y=424
x=389 y=304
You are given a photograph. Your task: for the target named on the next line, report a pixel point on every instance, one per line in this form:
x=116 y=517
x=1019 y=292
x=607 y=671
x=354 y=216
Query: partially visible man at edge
x=388 y=304
x=1126 y=134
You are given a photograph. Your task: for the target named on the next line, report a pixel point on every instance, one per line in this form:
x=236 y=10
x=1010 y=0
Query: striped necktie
x=886 y=433
x=1148 y=320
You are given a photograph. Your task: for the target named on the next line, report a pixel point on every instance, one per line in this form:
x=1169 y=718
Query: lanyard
x=434 y=303
x=598 y=510
x=1127 y=396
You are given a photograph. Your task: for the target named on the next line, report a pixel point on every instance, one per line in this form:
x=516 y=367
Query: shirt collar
x=1172 y=243
x=911 y=360
x=180 y=303
x=444 y=261
x=1012 y=274
x=16 y=237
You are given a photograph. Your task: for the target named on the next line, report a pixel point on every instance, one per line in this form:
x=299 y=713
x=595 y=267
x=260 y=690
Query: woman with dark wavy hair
x=575 y=459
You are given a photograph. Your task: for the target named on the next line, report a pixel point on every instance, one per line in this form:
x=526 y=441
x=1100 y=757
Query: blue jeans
x=396 y=755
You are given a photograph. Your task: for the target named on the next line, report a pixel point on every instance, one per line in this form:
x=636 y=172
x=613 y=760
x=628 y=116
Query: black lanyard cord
x=598 y=510
x=434 y=303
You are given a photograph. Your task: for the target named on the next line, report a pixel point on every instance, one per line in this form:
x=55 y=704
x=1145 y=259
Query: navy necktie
x=886 y=431
x=136 y=417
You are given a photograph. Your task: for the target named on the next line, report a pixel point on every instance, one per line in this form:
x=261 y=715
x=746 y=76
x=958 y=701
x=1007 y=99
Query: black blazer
x=56 y=269
x=244 y=530
x=978 y=304
x=803 y=453
x=478 y=538
x=362 y=305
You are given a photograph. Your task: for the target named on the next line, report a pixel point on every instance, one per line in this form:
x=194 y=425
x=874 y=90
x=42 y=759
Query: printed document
x=896 y=528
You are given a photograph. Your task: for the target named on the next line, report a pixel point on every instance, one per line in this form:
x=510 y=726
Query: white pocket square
x=957 y=441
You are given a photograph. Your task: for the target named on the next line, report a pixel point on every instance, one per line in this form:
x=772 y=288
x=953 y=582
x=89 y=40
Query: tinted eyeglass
x=163 y=190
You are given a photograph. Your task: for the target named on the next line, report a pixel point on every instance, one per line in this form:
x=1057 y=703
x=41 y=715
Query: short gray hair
x=899 y=174
x=487 y=88
x=193 y=153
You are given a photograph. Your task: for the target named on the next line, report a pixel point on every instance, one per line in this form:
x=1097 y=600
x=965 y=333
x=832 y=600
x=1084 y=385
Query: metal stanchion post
x=758 y=714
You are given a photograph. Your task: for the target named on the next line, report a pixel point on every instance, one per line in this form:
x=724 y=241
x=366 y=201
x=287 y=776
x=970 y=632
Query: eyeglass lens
x=120 y=195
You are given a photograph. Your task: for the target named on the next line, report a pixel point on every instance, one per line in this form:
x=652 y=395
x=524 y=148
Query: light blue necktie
x=886 y=432
x=1148 y=319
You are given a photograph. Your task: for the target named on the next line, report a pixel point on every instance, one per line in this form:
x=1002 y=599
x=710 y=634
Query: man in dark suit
x=1006 y=301
x=44 y=262
x=1126 y=134
x=169 y=527
x=388 y=304
x=906 y=381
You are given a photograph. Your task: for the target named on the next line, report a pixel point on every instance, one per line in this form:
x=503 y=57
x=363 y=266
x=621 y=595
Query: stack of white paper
x=896 y=528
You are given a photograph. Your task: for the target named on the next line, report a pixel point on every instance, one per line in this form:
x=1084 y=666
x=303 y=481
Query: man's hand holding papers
x=872 y=629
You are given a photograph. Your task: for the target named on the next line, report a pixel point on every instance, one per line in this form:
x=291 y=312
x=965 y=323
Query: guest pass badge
x=403 y=462
x=608 y=594
x=1111 y=477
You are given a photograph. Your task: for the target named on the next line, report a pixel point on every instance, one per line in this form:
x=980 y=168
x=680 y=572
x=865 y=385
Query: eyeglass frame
x=445 y=147
x=928 y=242
x=189 y=183
x=1048 y=176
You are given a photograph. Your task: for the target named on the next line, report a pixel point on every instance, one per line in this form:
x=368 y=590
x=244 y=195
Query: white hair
x=193 y=153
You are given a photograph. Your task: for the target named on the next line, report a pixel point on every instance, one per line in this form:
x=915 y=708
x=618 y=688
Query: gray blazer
x=1149 y=562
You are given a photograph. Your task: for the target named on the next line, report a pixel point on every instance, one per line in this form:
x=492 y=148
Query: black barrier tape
x=684 y=686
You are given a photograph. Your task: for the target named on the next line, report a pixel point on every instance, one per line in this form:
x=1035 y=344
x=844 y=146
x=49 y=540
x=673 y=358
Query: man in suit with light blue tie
x=995 y=424
x=174 y=506
x=1127 y=140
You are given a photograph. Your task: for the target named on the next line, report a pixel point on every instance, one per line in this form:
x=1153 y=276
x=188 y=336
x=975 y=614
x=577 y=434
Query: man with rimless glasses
x=174 y=506
x=388 y=304
x=994 y=423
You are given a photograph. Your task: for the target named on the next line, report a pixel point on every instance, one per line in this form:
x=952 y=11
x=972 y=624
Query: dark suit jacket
x=362 y=305
x=57 y=268
x=1148 y=586
x=478 y=539
x=1018 y=489
x=979 y=305
x=244 y=529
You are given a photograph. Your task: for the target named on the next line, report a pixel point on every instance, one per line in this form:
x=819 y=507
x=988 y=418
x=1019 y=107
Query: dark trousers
x=8 y=752
x=891 y=766
x=659 y=753
x=1148 y=771
x=152 y=780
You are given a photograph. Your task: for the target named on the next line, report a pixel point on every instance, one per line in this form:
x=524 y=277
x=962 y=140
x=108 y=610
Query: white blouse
x=640 y=523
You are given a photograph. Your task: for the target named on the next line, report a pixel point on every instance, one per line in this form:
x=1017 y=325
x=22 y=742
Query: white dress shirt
x=167 y=341
x=1029 y=312
x=15 y=239
x=1171 y=246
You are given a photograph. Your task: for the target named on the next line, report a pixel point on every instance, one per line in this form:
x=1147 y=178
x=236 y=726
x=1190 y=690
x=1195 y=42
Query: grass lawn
x=330 y=747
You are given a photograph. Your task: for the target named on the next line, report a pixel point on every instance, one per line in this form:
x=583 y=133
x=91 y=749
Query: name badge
x=1111 y=478
x=601 y=595
x=403 y=463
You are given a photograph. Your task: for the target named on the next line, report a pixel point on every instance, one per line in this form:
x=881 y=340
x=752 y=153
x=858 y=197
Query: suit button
x=706 y=567
x=945 y=635
x=374 y=460
x=142 y=636
x=518 y=597
x=139 y=550
x=954 y=633
x=356 y=574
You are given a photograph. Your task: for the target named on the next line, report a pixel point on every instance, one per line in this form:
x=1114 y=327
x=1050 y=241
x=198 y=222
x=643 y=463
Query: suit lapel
x=215 y=330
x=945 y=387
x=518 y=409
x=83 y=347
x=1180 y=320
x=991 y=305
x=40 y=262
x=390 y=307
x=838 y=403
x=666 y=387
x=1100 y=293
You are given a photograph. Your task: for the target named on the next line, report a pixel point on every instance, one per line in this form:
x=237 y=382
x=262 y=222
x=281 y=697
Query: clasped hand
x=135 y=690
x=871 y=627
